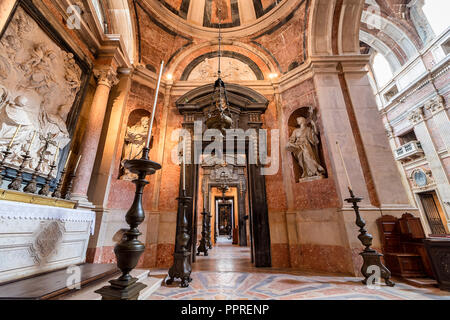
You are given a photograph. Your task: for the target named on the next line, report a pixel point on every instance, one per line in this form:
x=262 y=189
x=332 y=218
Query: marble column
x=106 y=79
x=437 y=108
x=380 y=170
x=103 y=170
x=441 y=179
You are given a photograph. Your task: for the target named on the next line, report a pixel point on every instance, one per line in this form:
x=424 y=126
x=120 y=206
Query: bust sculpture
x=304 y=145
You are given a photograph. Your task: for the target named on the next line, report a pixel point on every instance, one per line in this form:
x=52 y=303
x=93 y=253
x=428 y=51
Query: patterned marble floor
x=227 y=273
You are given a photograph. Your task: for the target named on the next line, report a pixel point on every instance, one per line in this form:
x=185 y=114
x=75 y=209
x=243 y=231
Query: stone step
x=88 y=293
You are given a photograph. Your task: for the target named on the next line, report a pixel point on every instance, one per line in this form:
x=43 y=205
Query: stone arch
x=381 y=48
x=334 y=27
x=399 y=36
x=258 y=58
x=238 y=96
x=227 y=54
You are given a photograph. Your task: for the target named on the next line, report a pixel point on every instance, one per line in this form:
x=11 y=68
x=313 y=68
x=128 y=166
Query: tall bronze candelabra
x=6 y=154
x=203 y=247
x=45 y=190
x=181 y=267
x=370 y=256
x=208 y=228
x=129 y=250
x=17 y=182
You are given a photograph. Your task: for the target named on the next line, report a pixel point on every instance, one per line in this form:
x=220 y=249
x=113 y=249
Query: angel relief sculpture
x=135 y=139
x=39 y=84
x=304 y=145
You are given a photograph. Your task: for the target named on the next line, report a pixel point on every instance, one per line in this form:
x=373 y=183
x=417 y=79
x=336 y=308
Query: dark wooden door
x=432 y=213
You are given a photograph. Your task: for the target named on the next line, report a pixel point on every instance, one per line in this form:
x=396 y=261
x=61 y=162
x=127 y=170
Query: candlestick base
x=17 y=182
x=130 y=249
x=371 y=258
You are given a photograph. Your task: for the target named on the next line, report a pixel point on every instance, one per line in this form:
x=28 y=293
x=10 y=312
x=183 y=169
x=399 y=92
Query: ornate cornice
x=435 y=105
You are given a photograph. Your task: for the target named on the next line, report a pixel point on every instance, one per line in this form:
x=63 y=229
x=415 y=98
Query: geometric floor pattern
x=227 y=274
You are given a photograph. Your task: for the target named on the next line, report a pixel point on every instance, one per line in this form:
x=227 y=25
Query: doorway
x=247 y=107
x=433 y=212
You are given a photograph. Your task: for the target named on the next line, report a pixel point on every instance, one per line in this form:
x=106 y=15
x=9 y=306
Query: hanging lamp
x=219 y=116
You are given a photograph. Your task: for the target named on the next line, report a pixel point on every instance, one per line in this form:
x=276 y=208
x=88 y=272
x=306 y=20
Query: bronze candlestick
x=68 y=194
x=208 y=233
x=31 y=187
x=203 y=247
x=57 y=192
x=181 y=267
x=370 y=256
x=6 y=154
x=45 y=190
x=129 y=250
x=17 y=182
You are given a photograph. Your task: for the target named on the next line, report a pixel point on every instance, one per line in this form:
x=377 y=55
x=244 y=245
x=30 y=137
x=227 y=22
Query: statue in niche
x=135 y=140
x=304 y=145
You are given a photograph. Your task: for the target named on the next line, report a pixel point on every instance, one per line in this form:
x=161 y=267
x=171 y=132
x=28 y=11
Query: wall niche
x=134 y=141
x=305 y=145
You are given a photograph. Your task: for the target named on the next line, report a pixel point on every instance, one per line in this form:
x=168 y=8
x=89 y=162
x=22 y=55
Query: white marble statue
x=304 y=145
x=135 y=140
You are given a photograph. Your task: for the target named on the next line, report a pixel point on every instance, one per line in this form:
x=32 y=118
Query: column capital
x=416 y=116
x=435 y=105
x=106 y=76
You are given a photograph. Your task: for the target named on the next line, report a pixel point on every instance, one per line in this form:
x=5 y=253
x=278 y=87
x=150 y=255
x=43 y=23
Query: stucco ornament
x=47 y=240
x=304 y=145
x=39 y=84
x=135 y=139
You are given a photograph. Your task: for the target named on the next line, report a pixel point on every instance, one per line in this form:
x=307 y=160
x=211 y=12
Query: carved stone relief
x=39 y=83
x=231 y=69
x=304 y=145
x=47 y=240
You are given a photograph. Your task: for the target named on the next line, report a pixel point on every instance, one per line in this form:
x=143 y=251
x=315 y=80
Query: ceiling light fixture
x=219 y=115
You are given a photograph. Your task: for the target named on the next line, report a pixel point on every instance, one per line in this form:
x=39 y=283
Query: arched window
x=382 y=70
x=436 y=12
